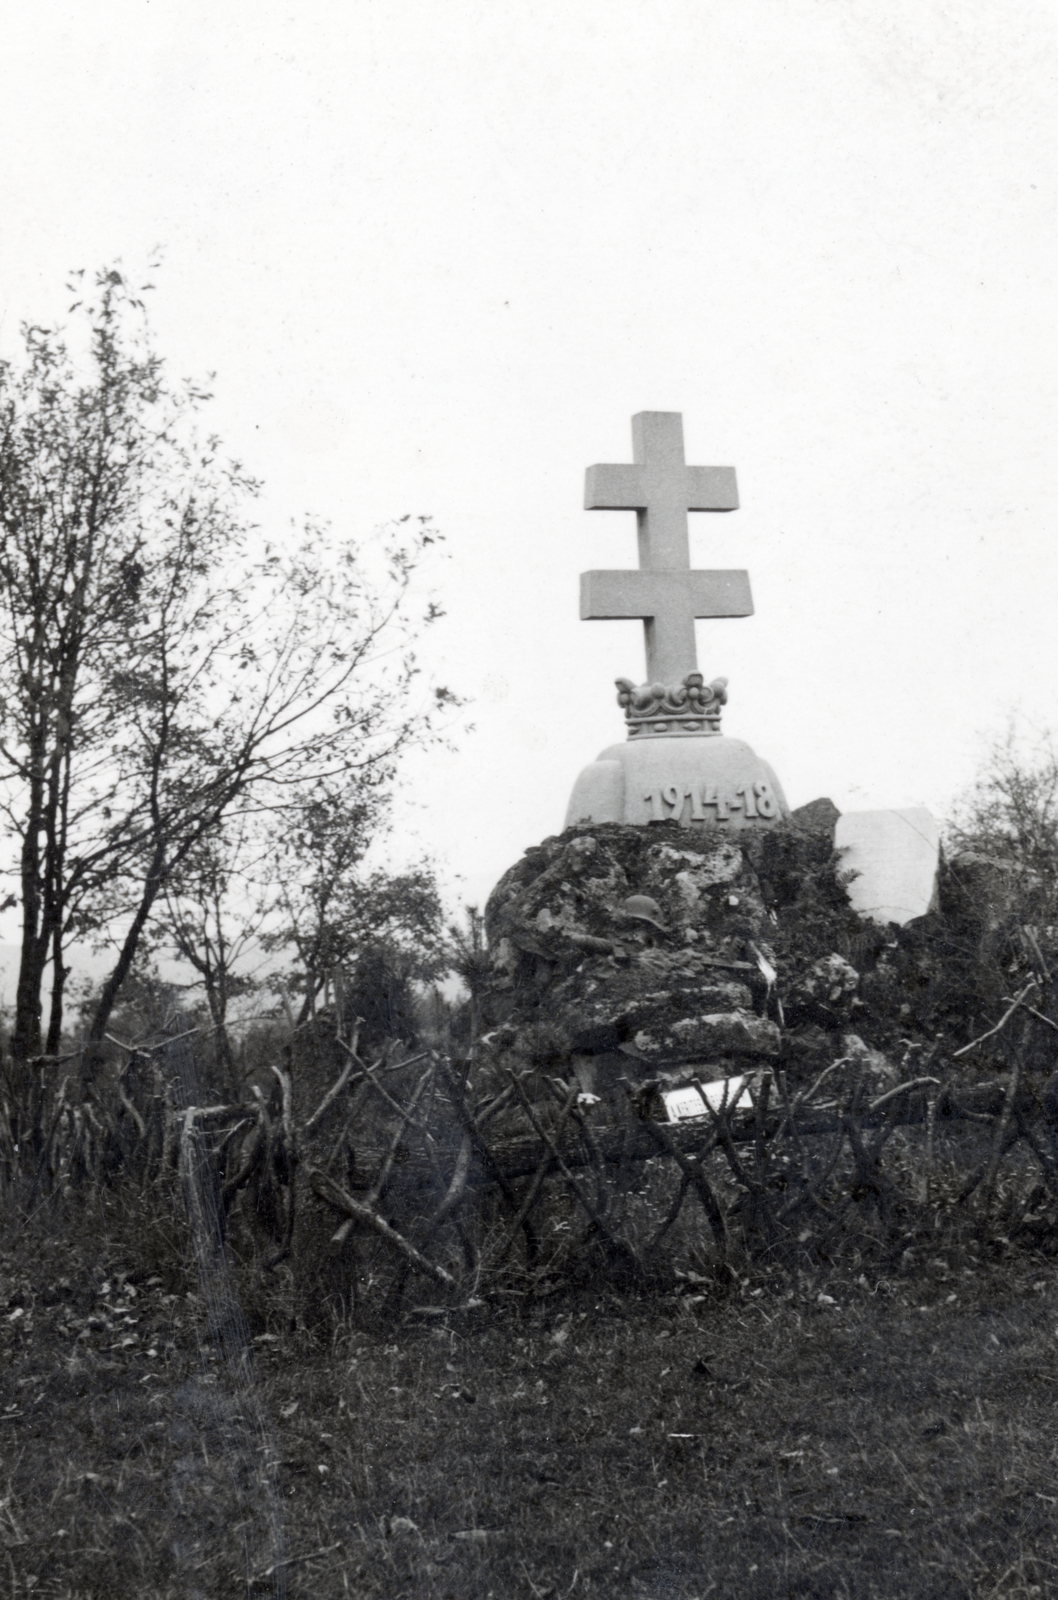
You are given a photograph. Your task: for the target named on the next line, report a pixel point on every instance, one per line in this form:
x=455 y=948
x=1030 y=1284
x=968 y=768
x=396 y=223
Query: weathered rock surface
x=628 y=958
x=818 y=816
x=654 y=952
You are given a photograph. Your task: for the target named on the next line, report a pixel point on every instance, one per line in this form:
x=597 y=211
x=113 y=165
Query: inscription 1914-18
x=712 y=801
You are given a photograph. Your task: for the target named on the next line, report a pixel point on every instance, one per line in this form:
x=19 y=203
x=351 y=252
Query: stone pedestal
x=696 y=781
x=677 y=766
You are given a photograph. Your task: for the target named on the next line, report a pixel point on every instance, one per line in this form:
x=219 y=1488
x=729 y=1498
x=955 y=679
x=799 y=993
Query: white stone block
x=896 y=854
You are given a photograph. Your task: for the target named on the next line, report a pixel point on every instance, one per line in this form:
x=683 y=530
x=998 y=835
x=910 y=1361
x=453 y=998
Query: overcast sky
x=439 y=252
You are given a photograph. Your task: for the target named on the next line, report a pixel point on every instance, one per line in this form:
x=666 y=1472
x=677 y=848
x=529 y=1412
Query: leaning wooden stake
x=457 y=1186
x=620 y=1246
x=683 y=1188
x=407 y=1116
x=288 y=1144
x=474 y=1126
x=999 y=1144
x=386 y=1166
x=536 y=1184
x=338 y=1198
x=693 y=1174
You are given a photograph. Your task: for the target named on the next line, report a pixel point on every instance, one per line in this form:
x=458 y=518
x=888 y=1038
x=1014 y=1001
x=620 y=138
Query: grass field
x=833 y=1438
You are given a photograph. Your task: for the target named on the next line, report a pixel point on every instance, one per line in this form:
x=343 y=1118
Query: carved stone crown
x=690 y=707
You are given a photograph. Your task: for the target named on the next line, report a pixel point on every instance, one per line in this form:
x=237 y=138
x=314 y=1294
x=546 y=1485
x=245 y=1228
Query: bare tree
x=231 y=698
x=1011 y=810
x=216 y=906
x=156 y=677
x=331 y=908
x=85 y=463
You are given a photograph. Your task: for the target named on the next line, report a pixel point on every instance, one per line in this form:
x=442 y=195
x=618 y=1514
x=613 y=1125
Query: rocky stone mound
x=628 y=955
x=667 y=954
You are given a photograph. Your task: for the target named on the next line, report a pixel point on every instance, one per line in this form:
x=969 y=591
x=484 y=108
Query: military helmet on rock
x=641 y=908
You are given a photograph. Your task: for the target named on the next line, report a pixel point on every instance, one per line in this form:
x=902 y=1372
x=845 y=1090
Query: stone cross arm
x=661 y=488
x=627 y=488
x=673 y=599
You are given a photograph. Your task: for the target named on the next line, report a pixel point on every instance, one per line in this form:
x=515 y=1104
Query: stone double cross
x=665 y=593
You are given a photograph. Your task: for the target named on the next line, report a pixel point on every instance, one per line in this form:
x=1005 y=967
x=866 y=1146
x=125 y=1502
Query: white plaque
x=684 y=1105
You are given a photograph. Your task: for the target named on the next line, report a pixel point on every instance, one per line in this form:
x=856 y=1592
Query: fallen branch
x=901 y=1088
x=1004 y=1019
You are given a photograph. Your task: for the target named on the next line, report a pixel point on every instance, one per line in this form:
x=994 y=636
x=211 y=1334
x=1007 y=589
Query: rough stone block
x=716 y=1034
x=818 y=816
x=896 y=855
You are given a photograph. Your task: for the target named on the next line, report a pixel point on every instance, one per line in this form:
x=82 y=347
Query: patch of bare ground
x=835 y=1437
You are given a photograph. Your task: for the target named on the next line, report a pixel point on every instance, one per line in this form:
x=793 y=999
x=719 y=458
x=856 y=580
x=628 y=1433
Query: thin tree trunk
x=91 y=1056
x=25 y=1037
x=43 y=860
x=162 y=866
x=56 y=886
x=59 y=975
x=214 y=981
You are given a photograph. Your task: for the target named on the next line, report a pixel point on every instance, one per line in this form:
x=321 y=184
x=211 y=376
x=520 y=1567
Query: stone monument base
x=698 y=782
